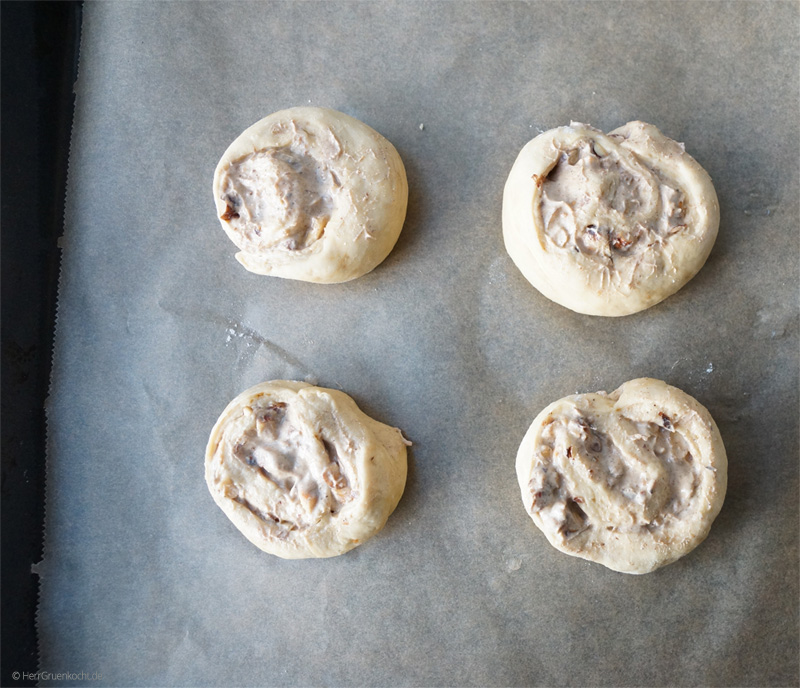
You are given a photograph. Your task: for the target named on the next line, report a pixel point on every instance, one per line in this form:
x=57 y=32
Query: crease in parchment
x=236 y=330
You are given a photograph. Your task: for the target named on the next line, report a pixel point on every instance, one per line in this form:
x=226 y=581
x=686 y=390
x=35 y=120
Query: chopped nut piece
x=229 y=214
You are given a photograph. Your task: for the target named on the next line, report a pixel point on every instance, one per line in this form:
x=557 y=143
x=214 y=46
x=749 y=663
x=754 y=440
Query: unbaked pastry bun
x=302 y=472
x=311 y=194
x=631 y=480
x=608 y=224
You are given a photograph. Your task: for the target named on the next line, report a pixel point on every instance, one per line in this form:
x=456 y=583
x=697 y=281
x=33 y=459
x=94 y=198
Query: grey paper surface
x=145 y=581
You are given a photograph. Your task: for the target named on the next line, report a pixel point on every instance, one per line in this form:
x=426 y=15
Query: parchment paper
x=146 y=582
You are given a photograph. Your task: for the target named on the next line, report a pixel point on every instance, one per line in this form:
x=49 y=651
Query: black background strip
x=39 y=65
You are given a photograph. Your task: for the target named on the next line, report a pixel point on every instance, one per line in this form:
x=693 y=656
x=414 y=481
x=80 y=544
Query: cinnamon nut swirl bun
x=311 y=194
x=608 y=224
x=301 y=471
x=632 y=480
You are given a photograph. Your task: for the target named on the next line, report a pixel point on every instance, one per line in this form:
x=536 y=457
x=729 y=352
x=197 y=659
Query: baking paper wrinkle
x=235 y=331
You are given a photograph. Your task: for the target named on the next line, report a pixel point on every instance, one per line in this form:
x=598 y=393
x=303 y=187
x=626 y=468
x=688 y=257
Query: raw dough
x=608 y=224
x=311 y=194
x=302 y=471
x=631 y=480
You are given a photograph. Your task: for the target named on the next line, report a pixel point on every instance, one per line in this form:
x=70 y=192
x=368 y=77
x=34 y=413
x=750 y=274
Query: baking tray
x=145 y=582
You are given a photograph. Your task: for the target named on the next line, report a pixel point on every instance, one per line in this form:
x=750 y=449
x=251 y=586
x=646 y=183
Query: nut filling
x=632 y=479
x=277 y=198
x=645 y=487
x=286 y=477
x=611 y=210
